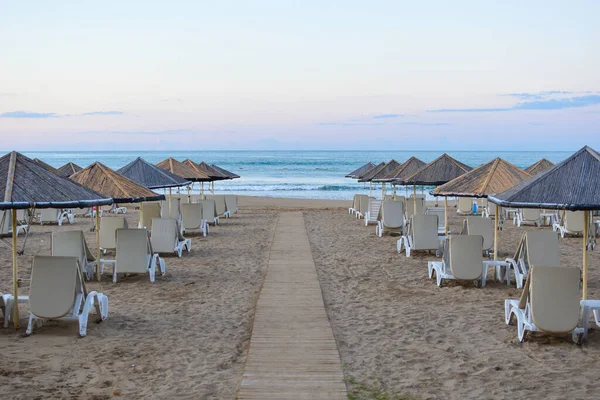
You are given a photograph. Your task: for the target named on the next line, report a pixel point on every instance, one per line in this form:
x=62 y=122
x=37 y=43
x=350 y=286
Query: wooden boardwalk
x=293 y=354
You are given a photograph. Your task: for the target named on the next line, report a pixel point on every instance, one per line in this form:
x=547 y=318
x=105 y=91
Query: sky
x=348 y=75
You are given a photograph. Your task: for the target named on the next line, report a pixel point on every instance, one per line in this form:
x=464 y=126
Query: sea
x=291 y=174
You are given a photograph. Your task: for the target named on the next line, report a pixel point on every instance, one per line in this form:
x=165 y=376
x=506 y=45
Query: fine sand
x=399 y=335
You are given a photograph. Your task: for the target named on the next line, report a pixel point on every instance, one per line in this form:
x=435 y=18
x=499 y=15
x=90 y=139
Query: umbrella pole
x=394 y=191
x=382 y=191
x=189 y=196
x=446 y=215
x=98 y=243
x=15 y=278
x=370 y=188
x=415 y=198
x=496 y=233
x=170 y=201
x=585 y=252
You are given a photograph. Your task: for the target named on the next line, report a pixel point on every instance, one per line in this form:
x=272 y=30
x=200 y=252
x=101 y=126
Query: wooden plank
x=293 y=353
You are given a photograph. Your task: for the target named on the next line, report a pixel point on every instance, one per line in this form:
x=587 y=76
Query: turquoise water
x=298 y=174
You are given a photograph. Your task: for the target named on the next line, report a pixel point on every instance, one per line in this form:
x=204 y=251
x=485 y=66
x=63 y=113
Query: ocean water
x=295 y=174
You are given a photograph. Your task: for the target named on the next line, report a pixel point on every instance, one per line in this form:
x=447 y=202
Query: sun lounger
x=355 y=205
x=149 y=211
x=231 y=204
x=373 y=213
x=465 y=206
x=221 y=205
x=462 y=260
x=58 y=292
x=410 y=207
x=422 y=235
x=52 y=215
x=6 y=224
x=391 y=219
x=529 y=216
x=108 y=229
x=549 y=303
x=483 y=227
x=209 y=211
x=135 y=255
x=536 y=248
x=192 y=218
x=441 y=214
x=363 y=206
x=571 y=223
x=167 y=238
x=7 y=304
x=73 y=244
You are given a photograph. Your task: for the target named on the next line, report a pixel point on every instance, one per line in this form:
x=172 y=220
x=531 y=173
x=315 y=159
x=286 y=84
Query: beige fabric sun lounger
x=209 y=211
x=410 y=206
x=52 y=215
x=58 y=292
x=363 y=206
x=483 y=227
x=536 y=248
x=549 y=303
x=192 y=218
x=392 y=218
x=529 y=216
x=73 y=244
x=134 y=255
x=372 y=216
x=571 y=224
x=221 y=205
x=355 y=204
x=462 y=260
x=6 y=224
x=231 y=201
x=167 y=238
x=465 y=206
x=108 y=230
x=149 y=211
x=441 y=214
x=422 y=236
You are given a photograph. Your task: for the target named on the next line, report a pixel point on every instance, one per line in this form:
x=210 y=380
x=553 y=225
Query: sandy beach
x=398 y=334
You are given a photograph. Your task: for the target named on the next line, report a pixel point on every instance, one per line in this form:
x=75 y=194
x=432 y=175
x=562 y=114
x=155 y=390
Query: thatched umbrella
x=573 y=185
x=46 y=166
x=539 y=167
x=381 y=173
x=182 y=170
x=69 y=169
x=149 y=175
x=368 y=175
x=408 y=168
x=223 y=171
x=359 y=171
x=441 y=170
x=493 y=177
x=26 y=185
x=210 y=174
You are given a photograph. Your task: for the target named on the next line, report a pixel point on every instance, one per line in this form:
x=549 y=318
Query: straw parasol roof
x=69 y=169
x=26 y=184
x=203 y=170
x=46 y=166
x=213 y=173
x=223 y=171
x=386 y=170
x=110 y=183
x=366 y=176
x=408 y=168
x=573 y=184
x=361 y=170
x=539 y=167
x=149 y=175
x=182 y=170
x=493 y=177
x=441 y=170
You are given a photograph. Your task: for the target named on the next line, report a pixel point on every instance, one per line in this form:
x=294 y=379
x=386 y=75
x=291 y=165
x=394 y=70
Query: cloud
x=103 y=113
x=427 y=123
x=168 y=132
x=539 y=95
x=350 y=124
x=25 y=114
x=548 y=104
x=385 y=116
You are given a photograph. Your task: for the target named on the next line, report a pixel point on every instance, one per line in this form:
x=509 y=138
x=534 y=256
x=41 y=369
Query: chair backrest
x=132 y=255
x=54 y=285
x=554 y=298
x=108 y=229
x=48 y=215
x=491 y=207
x=541 y=249
x=465 y=204
x=356 y=202
x=418 y=196
x=424 y=231
x=175 y=209
x=392 y=214
x=374 y=207
x=191 y=215
x=69 y=244
x=483 y=227
x=149 y=211
x=531 y=214
x=441 y=214
x=164 y=235
x=209 y=209
x=466 y=261
x=364 y=204
x=220 y=204
x=574 y=221
x=231 y=203
x=410 y=206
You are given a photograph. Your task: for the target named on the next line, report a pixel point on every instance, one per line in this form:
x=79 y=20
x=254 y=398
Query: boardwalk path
x=293 y=354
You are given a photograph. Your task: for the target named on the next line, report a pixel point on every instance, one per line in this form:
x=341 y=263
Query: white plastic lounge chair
x=221 y=205
x=363 y=206
x=73 y=244
x=462 y=260
x=536 y=248
x=175 y=210
x=116 y=209
x=108 y=230
x=6 y=305
x=483 y=227
x=549 y=303
x=231 y=204
x=58 y=292
x=167 y=238
x=52 y=215
x=355 y=204
x=529 y=216
x=209 y=211
x=373 y=213
x=392 y=218
x=441 y=214
x=134 y=255
x=192 y=218
x=410 y=207
x=6 y=224
x=422 y=235
x=465 y=206
x=571 y=224
x=149 y=211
